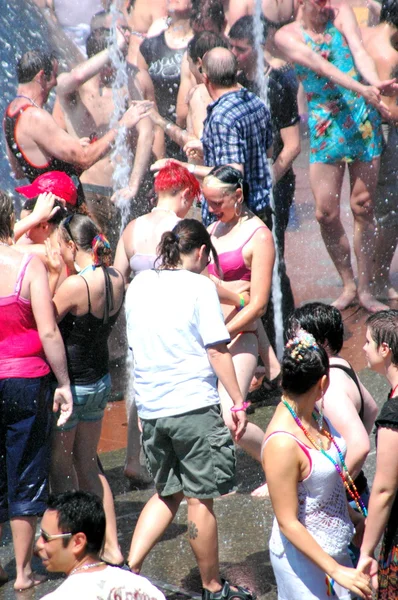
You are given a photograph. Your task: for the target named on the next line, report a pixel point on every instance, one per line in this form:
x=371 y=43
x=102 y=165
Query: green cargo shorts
x=191 y=453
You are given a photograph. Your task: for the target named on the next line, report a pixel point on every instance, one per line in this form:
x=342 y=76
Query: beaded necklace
x=343 y=473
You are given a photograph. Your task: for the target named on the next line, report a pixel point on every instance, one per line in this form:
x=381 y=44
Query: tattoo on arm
x=192 y=530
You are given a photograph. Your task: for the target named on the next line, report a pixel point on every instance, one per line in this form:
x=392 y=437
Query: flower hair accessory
x=301 y=342
x=95 y=245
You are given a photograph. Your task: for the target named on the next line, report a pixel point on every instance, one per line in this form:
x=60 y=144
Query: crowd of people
x=210 y=117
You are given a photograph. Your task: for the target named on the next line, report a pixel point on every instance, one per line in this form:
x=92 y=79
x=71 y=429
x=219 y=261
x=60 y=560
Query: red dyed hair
x=174 y=178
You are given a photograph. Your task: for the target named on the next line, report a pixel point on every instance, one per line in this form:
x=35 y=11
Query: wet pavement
x=244 y=522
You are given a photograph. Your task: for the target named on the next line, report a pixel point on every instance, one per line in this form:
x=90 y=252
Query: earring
x=320 y=422
x=238 y=214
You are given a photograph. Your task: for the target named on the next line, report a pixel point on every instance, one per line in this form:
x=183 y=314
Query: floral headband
x=300 y=343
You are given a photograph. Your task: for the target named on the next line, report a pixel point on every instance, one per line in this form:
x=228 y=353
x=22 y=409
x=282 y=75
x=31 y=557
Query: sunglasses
x=48 y=538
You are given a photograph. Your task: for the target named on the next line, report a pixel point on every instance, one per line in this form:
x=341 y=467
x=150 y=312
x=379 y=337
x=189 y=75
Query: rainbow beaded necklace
x=343 y=472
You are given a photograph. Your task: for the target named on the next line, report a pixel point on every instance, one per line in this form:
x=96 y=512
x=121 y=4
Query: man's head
x=389 y=12
x=72 y=528
x=56 y=182
x=322 y=321
x=38 y=66
x=242 y=41
x=208 y=15
x=198 y=46
x=219 y=69
x=106 y=19
x=382 y=339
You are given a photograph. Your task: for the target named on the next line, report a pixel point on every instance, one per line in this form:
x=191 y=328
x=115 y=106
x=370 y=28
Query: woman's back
x=85 y=331
x=21 y=351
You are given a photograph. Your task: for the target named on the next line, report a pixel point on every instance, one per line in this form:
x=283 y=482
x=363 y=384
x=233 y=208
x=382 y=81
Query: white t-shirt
x=110 y=583
x=172 y=317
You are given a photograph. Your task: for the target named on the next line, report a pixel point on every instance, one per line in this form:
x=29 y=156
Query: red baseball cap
x=57 y=182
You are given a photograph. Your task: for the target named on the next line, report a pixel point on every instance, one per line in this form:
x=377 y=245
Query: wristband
x=191 y=168
x=241 y=301
x=244 y=406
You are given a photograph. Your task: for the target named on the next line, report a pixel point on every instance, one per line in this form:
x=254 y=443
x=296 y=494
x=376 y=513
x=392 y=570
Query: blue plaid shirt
x=238 y=130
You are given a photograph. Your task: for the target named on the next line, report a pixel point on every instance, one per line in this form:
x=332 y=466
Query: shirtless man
x=35 y=144
x=381 y=42
x=86 y=98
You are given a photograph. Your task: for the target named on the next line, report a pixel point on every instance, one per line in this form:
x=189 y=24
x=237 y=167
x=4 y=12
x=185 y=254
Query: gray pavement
x=244 y=522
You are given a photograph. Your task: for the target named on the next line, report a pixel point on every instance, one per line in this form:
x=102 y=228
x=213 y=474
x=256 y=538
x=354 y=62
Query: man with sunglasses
x=70 y=541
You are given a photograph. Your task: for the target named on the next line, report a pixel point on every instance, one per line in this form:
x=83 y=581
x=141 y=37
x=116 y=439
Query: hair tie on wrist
x=243 y=408
x=241 y=301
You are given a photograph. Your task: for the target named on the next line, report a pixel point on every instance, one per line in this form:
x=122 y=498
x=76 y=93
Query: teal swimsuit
x=343 y=127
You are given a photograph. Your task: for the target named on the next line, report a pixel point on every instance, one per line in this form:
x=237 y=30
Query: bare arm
x=262 y=263
x=180 y=136
x=291 y=149
x=384 y=490
x=348 y=25
x=342 y=412
x=183 y=91
x=284 y=468
x=221 y=361
x=56 y=142
x=50 y=337
x=294 y=49
x=142 y=155
x=122 y=262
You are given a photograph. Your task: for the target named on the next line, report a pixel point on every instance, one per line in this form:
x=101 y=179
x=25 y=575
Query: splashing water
x=121 y=156
x=262 y=82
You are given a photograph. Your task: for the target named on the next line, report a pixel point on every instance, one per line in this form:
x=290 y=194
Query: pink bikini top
x=232 y=263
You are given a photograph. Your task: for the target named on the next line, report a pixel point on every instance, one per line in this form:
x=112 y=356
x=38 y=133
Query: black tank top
x=360 y=481
x=30 y=170
x=86 y=339
x=164 y=67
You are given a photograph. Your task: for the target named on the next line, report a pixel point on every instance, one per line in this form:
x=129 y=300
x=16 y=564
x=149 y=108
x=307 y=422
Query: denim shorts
x=191 y=453
x=25 y=442
x=89 y=402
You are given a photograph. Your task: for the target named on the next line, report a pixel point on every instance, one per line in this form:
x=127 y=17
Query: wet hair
x=87 y=236
x=245 y=29
x=207 y=15
x=389 y=12
x=80 y=512
x=203 y=42
x=383 y=327
x=6 y=216
x=97 y=41
x=173 y=178
x=56 y=219
x=186 y=236
x=221 y=69
x=303 y=364
x=33 y=61
x=97 y=20
x=323 y=321
x=231 y=177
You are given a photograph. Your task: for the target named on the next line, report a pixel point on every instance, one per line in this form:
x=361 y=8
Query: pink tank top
x=232 y=263
x=21 y=351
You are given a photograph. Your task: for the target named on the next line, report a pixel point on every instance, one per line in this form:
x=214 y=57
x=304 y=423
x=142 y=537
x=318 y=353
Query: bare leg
x=62 y=471
x=3 y=573
x=271 y=368
x=363 y=179
x=92 y=480
x=133 y=468
x=203 y=537
x=156 y=516
x=326 y=181
x=244 y=354
x=23 y=535
x=386 y=244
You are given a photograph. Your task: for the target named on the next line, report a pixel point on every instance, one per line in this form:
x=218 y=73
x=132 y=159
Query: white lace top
x=323 y=507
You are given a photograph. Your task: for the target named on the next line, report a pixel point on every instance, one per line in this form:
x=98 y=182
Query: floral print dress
x=343 y=127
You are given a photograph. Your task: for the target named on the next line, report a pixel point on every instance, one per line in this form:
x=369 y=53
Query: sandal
x=226 y=593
